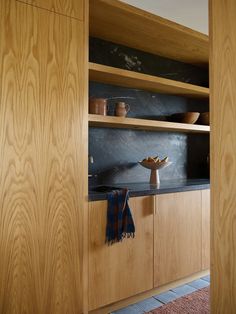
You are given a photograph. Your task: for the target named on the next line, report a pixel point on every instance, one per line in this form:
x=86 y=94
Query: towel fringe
x=124 y=235
x=128 y=235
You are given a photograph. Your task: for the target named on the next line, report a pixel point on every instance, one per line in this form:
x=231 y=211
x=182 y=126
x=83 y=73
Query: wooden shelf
x=124 y=24
x=115 y=76
x=141 y=124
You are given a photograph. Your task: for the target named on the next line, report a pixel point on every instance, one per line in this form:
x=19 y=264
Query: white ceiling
x=191 y=13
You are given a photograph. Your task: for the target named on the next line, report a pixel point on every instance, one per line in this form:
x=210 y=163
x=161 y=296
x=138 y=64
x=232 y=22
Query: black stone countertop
x=141 y=189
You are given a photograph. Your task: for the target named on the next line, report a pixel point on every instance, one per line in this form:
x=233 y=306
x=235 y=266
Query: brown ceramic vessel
x=98 y=106
x=204 y=118
x=121 y=109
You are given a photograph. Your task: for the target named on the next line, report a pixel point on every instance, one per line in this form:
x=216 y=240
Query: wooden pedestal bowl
x=155 y=167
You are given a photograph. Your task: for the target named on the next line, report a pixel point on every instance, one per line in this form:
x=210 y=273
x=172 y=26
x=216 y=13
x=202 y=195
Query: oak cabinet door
x=123 y=269
x=42 y=138
x=205 y=229
x=177 y=236
x=71 y=8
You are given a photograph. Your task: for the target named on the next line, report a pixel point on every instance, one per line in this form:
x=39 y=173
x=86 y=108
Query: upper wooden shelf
x=124 y=24
x=142 y=124
x=115 y=76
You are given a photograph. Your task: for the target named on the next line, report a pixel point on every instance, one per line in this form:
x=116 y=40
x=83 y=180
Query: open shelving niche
x=123 y=24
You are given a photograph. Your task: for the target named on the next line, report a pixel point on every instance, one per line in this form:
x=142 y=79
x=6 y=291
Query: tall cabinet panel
x=43 y=152
x=71 y=8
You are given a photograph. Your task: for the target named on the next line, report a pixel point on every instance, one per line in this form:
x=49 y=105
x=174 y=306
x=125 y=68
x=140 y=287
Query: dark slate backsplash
x=107 y=53
x=117 y=151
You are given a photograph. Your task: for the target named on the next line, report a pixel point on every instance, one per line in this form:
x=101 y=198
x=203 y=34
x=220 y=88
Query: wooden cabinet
x=206 y=229
x=43 y=136
x=177 y=236
x=172 y=242
x=71 y=8
x=124 y=269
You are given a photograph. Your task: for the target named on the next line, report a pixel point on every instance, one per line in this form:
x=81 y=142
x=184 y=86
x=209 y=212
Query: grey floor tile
x=183 y=290
x=207 y=278
x=166 y=297
x=132 y=309
x=199 y=283
x=149 y=304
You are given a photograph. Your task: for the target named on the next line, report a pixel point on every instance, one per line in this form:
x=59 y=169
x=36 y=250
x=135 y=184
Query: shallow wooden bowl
x=186 y=117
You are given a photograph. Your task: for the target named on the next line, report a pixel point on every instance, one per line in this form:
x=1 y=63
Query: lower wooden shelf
x=141 y=124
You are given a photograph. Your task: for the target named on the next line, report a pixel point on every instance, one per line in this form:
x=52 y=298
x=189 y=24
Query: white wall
x=191 y=13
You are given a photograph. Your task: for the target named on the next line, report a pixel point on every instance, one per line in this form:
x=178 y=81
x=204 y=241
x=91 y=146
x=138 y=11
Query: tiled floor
x=164 y=298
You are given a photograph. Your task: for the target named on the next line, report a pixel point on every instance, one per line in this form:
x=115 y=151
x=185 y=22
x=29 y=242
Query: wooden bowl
x=204 y=118
x=186 y=117
x=154 y=165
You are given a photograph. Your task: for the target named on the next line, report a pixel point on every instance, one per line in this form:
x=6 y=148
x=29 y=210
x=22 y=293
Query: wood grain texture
x=114 y=76
x=84 y=152
x=124 y=269
x=121 y=23
x=177 y=236
x=70 y=8
x=223 y=155
x=143 y=124
x=43 y=155
x=206 y=229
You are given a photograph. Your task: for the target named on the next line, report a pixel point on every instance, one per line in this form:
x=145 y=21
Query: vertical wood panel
x=83 y=157
x=177 y=236
x=124 y=269
x=223 y=155
x=71 y=8
x=43 y=152
x=205 y=229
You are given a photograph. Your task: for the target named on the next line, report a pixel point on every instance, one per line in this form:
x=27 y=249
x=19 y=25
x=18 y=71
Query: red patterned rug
x=194 y=303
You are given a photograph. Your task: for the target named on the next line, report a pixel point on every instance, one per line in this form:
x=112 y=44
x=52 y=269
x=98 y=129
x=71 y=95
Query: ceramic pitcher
x=121 y=109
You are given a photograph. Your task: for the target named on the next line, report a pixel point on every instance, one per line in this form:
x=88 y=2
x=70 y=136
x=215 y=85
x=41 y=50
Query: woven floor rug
x=194 y=303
